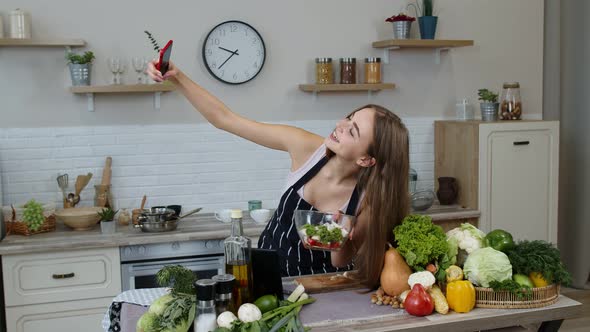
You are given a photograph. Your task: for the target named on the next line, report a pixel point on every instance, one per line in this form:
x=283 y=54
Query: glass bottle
x=238 y=262
x=347 y=70
x=412 y=179
x=372 y=70
x=205 y=316
x=324 y=74
x=510 y=104
x=223 y=293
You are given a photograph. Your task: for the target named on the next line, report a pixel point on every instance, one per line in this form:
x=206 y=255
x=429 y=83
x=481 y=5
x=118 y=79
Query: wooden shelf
x=438 y=45
x=121 y=88
x=421 y=43
x=42 y=42
x=345 y=87
x=90 y=90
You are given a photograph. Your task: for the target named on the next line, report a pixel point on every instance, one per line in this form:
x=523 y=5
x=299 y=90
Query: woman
x=361 y=168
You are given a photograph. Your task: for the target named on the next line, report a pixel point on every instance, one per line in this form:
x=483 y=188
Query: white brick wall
x=193 y=165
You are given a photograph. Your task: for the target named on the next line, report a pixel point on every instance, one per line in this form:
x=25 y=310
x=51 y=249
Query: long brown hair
x=385 y=185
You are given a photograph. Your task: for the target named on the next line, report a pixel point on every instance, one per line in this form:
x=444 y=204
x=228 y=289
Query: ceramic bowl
x=79 y=219
x=260 y=216
x=310 y=223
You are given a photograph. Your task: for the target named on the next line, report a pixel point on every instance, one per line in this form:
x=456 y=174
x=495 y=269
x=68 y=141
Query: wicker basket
x=541 y=297
x=18 y=227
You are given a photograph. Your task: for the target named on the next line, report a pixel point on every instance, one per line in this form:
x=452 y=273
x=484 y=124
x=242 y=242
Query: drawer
x=72 y=316
x=61 y=276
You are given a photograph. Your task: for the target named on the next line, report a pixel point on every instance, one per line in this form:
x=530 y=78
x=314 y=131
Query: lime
x=266 y=303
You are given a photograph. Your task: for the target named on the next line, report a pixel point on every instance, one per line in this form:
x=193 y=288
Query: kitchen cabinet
x=508 y=170
x=60 y=290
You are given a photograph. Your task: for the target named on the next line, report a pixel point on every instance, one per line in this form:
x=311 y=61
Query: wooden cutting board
x=325 y=283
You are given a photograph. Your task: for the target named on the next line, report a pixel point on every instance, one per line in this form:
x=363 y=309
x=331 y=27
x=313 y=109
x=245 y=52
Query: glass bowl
x=422 y=200
x=323 y=230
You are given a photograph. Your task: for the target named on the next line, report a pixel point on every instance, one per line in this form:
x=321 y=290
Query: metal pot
x=156 y=215
x=167 y=225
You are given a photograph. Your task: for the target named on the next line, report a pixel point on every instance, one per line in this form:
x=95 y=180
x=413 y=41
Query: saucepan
x=161 y=223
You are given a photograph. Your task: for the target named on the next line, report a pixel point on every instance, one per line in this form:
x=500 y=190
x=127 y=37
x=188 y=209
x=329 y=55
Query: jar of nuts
x=510 y=104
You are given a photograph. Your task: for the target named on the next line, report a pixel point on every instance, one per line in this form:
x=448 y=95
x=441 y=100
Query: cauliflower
x=248 y=312
x=424 y=278
x=225 y=319
x=467 y=237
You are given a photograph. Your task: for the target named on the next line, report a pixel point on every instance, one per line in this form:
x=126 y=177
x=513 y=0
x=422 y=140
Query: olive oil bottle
x=238 y=251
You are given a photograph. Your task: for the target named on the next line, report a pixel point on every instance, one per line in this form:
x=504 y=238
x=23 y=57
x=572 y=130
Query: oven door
x=136 y=275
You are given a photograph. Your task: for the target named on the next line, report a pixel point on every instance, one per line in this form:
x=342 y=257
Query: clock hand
x=232 y=54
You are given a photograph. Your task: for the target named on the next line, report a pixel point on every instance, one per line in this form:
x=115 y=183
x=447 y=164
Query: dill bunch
x=178 y=278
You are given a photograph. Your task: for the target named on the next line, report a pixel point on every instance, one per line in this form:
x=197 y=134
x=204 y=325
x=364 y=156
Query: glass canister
x=347 y=70
x=510 y=104
x=464 y=110
x=324 y=73
x=372 y=70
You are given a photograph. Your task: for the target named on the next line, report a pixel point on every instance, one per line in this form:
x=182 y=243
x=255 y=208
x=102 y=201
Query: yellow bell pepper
x=538 y=280
x=461 y=296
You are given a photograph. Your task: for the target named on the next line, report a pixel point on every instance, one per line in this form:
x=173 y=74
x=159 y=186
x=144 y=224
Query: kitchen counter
x=201 y=227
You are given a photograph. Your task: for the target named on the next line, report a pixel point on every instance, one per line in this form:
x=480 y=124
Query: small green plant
x=426 y=9
x=80 y=59
x=488 y=96
x=107 y=214
x=153 y=41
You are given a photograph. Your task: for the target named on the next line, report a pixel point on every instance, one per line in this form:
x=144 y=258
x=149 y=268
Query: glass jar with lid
x=510 y=103
x=347 y=70
x=324 y=73
x=372 y=70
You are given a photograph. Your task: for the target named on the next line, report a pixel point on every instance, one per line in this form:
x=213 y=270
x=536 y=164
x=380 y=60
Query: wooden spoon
x=143 y=202
x=106 y=172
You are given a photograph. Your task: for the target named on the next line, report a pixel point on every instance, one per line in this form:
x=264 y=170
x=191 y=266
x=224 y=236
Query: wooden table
x=329 y=314
x=345 y=311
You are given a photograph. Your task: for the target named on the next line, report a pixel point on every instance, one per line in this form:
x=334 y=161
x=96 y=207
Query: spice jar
x=372 y=70
x=347 y=70
x=324 y=73
x=223 y=293
x=510 y=104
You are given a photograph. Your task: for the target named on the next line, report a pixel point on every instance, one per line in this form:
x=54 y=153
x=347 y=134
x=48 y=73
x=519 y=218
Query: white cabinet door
x=71 y=316
x=61 y=276
x=520 y=182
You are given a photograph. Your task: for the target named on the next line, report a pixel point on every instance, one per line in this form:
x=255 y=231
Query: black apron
x=281 y=234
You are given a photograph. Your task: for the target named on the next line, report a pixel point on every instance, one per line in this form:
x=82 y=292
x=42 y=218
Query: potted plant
x=489 y=104
x=402 y=24
x=427 y=21
x=107 y=217
x=80 y=67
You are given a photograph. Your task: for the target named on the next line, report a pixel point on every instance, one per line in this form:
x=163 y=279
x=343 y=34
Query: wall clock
x=234 y=52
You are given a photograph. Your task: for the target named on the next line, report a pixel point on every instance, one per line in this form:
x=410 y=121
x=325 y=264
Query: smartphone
x=164 y=61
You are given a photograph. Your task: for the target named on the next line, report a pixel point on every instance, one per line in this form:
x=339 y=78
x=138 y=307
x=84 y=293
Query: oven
x=140 y=263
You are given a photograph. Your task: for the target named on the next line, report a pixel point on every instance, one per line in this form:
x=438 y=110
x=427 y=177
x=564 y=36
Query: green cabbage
x=148 y=322
x=159 y=305
x=485 y=265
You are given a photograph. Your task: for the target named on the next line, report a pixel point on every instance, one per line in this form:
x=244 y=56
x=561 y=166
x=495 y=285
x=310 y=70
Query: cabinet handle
x=522 y=143
x=63 y=276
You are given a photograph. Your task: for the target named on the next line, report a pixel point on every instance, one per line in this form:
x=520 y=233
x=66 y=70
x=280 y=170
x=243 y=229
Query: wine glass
x=139 y=64
x=122 y=67
x=114 y=66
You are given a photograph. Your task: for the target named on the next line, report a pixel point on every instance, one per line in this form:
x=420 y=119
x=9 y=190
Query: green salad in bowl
x=323 y=230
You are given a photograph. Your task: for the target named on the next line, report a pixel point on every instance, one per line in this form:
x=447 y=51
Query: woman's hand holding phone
x=156 y=75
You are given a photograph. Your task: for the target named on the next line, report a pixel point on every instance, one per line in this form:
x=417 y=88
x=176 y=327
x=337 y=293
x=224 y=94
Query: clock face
x=234 y=52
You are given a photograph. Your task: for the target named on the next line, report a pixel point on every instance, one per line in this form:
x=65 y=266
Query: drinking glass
x=140 y=65
x=122 y=67
x=114 y=66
